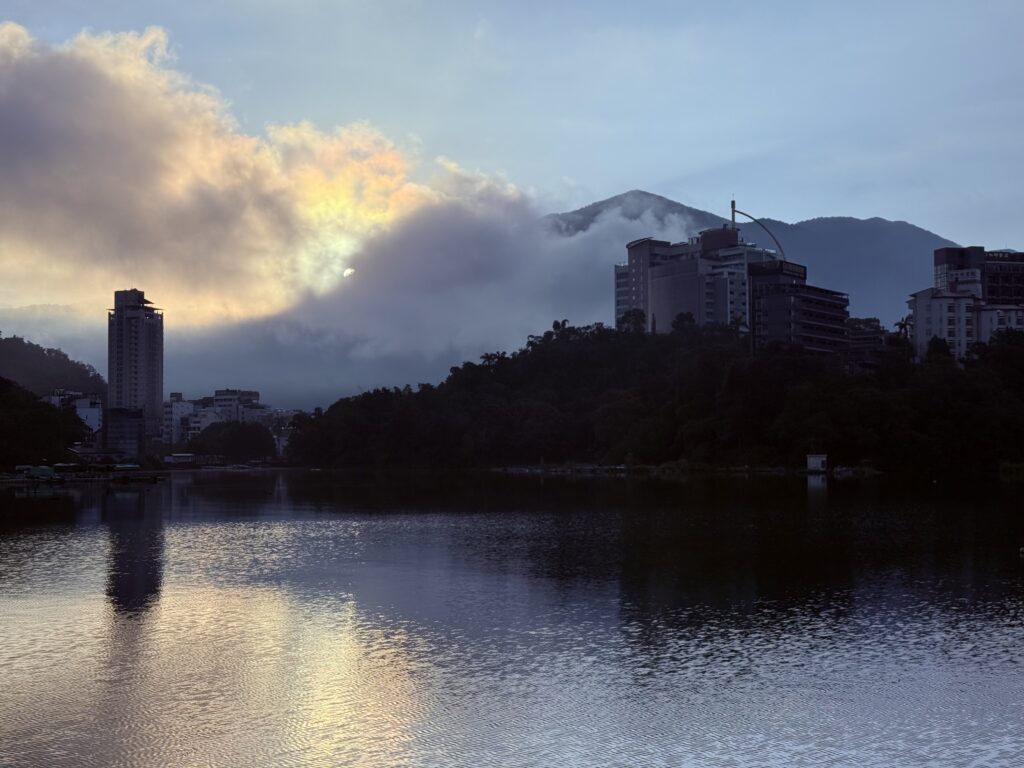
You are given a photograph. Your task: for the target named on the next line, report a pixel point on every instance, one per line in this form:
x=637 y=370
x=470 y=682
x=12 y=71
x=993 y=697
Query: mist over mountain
x=470 y=275
x=876 y=261
x=635 y=205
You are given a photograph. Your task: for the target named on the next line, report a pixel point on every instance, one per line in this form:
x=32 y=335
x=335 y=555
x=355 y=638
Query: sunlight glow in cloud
x=313 y=249
x=116 y=169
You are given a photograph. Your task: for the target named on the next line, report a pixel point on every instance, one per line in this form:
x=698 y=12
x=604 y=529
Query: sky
x=356 y=186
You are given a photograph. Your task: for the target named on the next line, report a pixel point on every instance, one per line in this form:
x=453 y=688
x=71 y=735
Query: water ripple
x=432 y=638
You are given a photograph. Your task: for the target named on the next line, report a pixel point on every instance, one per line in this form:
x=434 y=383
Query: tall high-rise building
x=135 y=358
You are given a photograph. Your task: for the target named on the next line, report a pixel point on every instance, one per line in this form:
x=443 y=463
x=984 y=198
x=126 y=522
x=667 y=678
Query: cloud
x=304 y=263
x=479 y=269
x=452 y=280
x=117 y=169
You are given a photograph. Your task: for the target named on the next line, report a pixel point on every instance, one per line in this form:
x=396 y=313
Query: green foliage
x=235 y=441
x=632 y=321
x=42 y=370
x=594 y=394
x=938 y=351
x=31 y=431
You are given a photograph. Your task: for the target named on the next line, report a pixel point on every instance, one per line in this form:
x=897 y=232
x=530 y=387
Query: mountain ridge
x=879 y=262
x=41 y=370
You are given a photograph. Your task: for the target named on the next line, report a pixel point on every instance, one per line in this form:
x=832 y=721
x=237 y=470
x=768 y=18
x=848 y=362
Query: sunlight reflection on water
x=185 y=626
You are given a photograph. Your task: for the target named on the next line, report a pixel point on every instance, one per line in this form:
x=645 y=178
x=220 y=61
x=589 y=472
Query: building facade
x=125 y=431
x=719 y=278
x=201 y=418
x=977 y=294
x=705 y=276
x=867 y=341
x=232 y=403
x=788 y=311
x=623 y=291
x=186 y=419
x=135 y=358
x=177 y=411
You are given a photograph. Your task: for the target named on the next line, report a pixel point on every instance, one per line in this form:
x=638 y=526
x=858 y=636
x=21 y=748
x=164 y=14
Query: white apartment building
x=185 y=419
x=944 y=314
x=956 y=312
x=177 y=411
x=201 y=419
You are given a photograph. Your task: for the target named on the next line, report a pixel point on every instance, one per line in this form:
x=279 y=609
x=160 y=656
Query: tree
x=684 y=323
x=235 y=441
x=32 y=431
x=698 y=394
x=938 y=351
x=42 y=370
x=632 y=321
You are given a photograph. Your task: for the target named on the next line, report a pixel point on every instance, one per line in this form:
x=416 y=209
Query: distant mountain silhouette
x=41 y=370
x=876 y=261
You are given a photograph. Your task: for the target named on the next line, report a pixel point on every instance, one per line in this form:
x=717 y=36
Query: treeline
x=34 y=432
x=696 y=395
x=42 y=370
x=235 y=441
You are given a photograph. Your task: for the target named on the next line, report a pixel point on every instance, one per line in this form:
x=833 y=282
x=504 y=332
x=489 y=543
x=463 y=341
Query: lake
x=305 y=619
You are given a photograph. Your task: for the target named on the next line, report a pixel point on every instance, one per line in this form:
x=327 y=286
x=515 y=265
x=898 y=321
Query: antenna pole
x=760 y=223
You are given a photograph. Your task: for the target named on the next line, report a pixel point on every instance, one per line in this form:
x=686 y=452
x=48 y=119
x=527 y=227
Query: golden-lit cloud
x=116 y=169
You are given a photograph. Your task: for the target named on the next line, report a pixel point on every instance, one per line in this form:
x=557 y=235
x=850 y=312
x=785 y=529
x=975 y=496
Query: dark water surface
x=283 y=619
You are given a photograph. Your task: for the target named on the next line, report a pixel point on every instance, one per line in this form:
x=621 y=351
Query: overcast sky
x=313 y=165
x=907 y=110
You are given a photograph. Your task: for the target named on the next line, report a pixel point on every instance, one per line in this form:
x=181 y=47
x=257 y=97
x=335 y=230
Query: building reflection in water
x=134 y=519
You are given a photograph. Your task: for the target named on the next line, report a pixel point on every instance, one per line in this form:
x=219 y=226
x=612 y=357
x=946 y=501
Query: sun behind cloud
x=117 y=169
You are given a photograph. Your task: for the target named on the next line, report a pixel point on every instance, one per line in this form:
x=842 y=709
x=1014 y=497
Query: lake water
x=294 y=619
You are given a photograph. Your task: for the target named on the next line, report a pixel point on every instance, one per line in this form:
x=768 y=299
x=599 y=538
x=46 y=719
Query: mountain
x=876 y=261
x=41 y=370
x=632 y=205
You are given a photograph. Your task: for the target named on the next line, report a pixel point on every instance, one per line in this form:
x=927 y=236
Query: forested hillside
x=697 y=395
x=41 y=370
